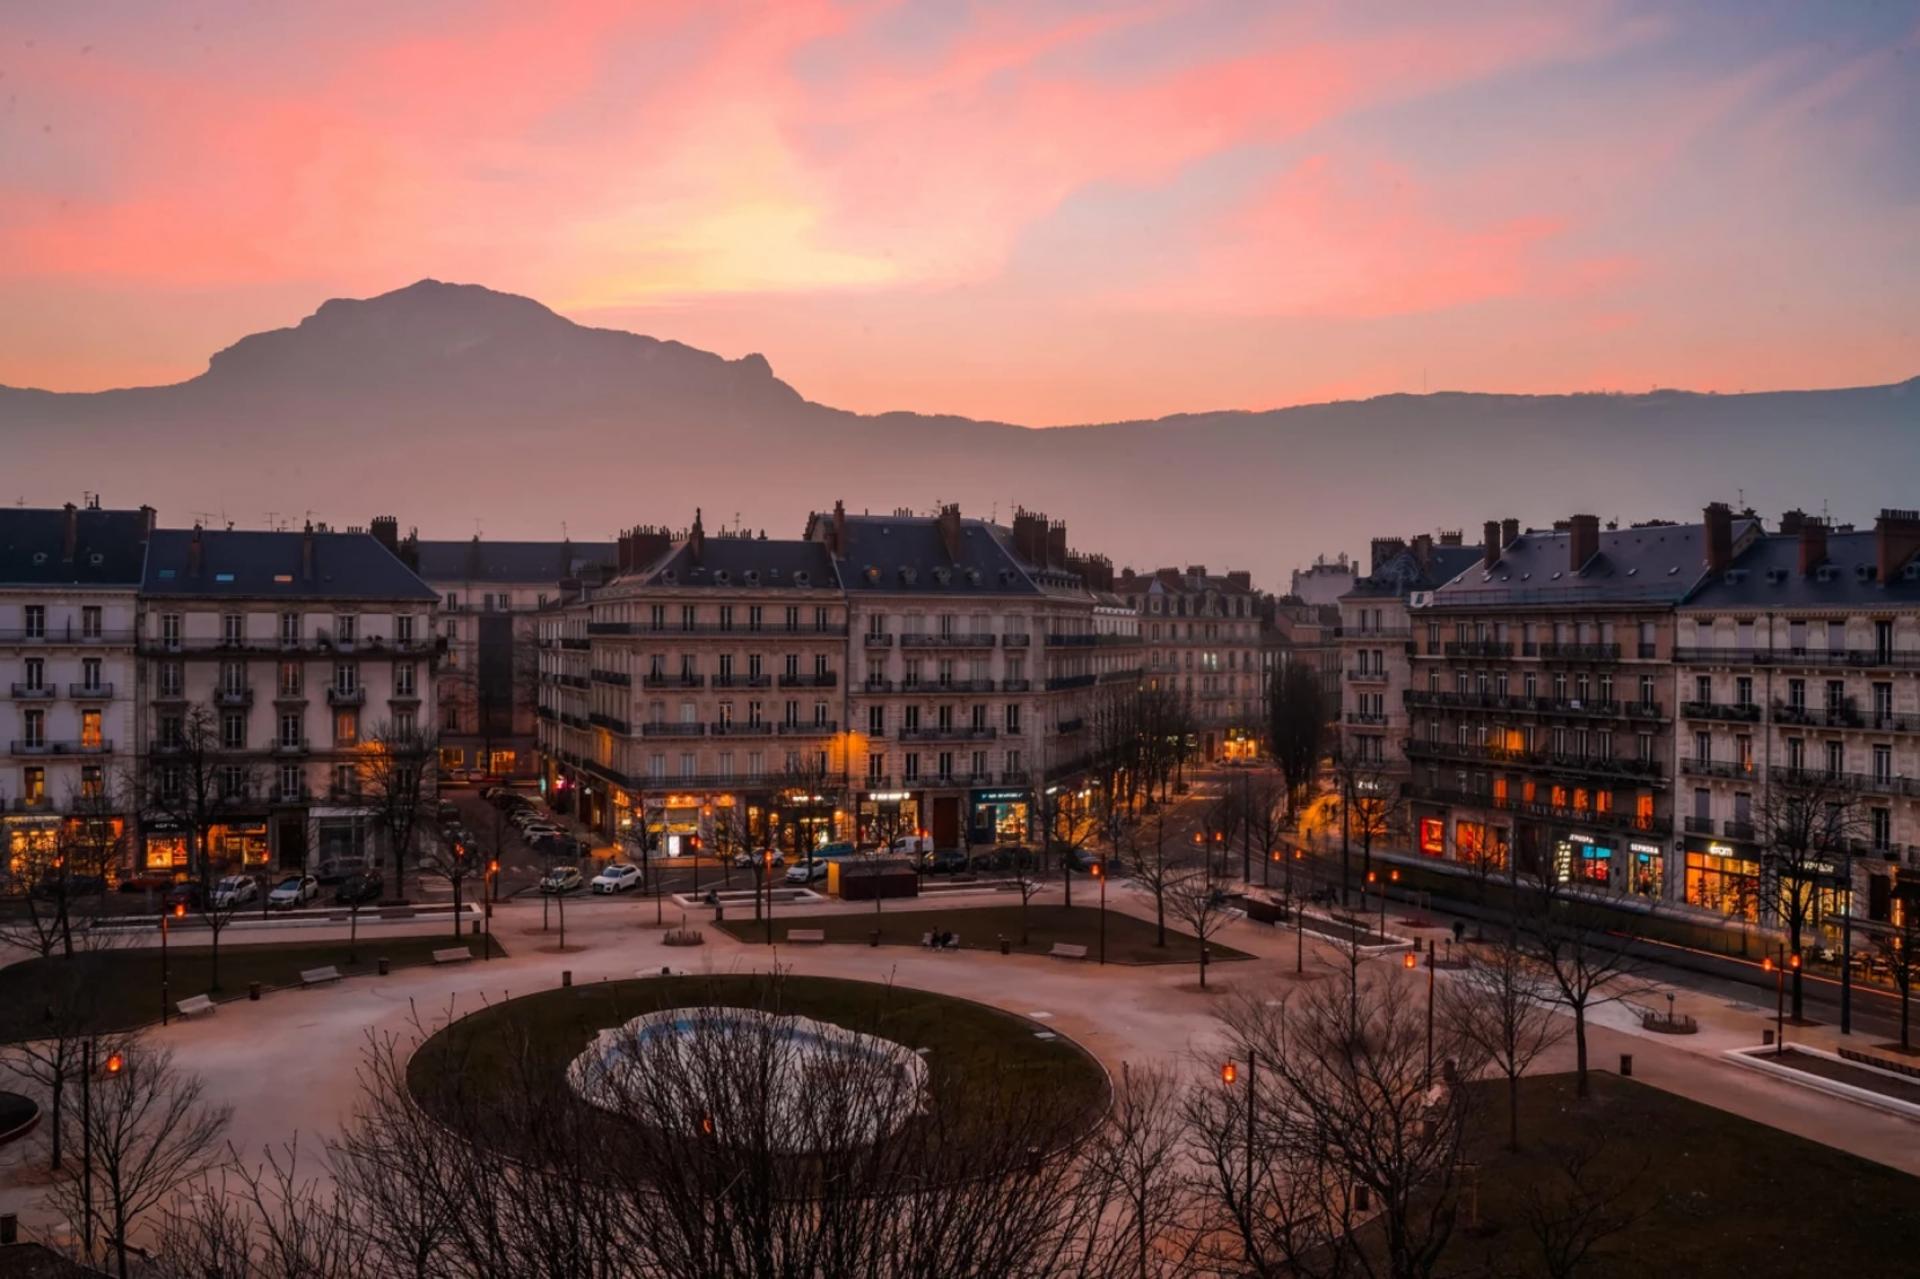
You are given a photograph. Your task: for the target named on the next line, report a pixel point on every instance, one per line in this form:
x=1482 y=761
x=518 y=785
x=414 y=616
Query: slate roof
x=249 y=564
x=1767 y=575
x=109 y=547
x=751 y=562
x=905 y=554
x=1656 y=564
x=479 y=560
x=1403 y=574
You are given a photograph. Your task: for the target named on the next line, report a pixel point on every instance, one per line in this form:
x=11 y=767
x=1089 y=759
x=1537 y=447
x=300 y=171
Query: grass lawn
x=1723 y=1196
x=124 y=985
x=1129 y=940
x=967 y=1044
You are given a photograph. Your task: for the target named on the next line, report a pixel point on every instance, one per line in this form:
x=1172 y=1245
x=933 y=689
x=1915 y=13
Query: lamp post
x=166 y=973
x=1100 y=873
x=1779 y=971
x=1411 y=961
x=766 y=877
x=492 y=895
x=1229 y=1073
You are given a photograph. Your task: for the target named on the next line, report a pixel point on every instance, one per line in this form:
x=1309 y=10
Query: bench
x=952 y=942
x=452 y=955
x=1067 y=950
x=194 y=1005
x=319 y=976
x=813 y=936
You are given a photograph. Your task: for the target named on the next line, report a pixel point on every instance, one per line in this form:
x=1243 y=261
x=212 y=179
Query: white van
x=911 y=845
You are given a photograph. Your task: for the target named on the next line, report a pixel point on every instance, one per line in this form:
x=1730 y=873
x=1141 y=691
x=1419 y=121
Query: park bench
x=452 y=955
x=815 y=936
x=319 y=976
x=952 y=942
x=1067 y=950
x=194 y=1005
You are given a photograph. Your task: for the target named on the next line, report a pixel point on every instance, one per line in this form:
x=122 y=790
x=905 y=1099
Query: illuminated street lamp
x=1100 y=873
x=1410 y=961
x=1779 y=971
x=179 y=911
x=1229 y=1073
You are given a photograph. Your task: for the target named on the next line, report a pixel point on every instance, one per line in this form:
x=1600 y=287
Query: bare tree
x=1267 y=816
x=1898 y=946
x=54 y=901
x=400 y=789
x=1502 y=1004
x=1297 y=729
x=149 y=1131
x=1201 y=907
x=1589 y=1199
x=269 y=1220
x=1134 y=1172
x=454 y=861
x=1159 y=871
x=1586 y=950
x=1805 y=820
x=1371 y=802
x=55 y=1039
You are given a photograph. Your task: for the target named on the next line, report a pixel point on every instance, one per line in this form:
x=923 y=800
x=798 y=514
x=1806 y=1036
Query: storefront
x=999 y=817
x=30 y=842
x=1720 y=880
x=1481 y=845
x=801 y=822
x=1585 y=861
x=1430 y=836
x=1646 y=869
x=240 y=845
x=163 y=845
x=883 y=816
x=342 y=840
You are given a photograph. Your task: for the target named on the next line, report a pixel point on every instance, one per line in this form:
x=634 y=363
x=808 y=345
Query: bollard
x=384 y=965
x=873 y=938
x=719 y=912
x=476 y=928
x=566 y=978
x=1006 y=947
x=1626 y=1065
x=253 y=991
x=1766 y=1039
x=9 y=1229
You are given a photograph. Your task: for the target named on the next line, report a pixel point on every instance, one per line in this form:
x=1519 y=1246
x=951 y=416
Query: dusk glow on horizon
x=1040 y=213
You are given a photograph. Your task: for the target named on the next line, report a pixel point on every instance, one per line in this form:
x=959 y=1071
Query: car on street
x=911 y=845
x=1082 y=860
x=617 y=878
x=359 y=890
x=835 y=851
x=807 y=872
x=147 y=881
x=561 y=879
x=234 y=891
x=187 y=893
x=294 y=890
x=1012 y=857
x=536 y=833
x=747 y=860
x=52 y=886
x=945 y=861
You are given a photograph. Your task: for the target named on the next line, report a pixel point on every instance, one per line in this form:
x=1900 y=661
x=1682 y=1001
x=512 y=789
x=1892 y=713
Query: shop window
x=1433 y=836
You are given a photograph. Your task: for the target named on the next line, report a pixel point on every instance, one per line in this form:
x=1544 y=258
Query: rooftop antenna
x=273 y=525
x=202 y=517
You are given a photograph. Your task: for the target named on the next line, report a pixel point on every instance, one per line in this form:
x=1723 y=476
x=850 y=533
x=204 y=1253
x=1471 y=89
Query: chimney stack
x=70 y=534
x=148 y=517
x=696 y=538
x=306 y=551
x=1813 y=545
x=1583 y=540
x=623 y=552
x=1509 y=532
x=1423 y=549
x=839 y=546
x=949 y=525
x=386 y=531
x=1791 y=522
x=1385 y=548
x=1056 y=544
x=1718 y=519
x=1896 y=536
x=194 y=554
x=1490 y=543
x=1453 y=537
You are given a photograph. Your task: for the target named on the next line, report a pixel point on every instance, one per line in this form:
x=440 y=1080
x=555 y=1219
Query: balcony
x=1699 y=825
x=233 y=696
x=1367 y=676
x=337 y=696
x=1804 y=658
x=1538 y=760
x=1585 y=707
x=743 y=681
x=612 y=723
x=1866 y=783
x=619 y=678
x=673 y=681
x=1727 y=769
x=290 y=746
x=1072 y=641
x=1016 y=685
x=1580 y=652
x=828 y=680
x=1732 y=712
x=733 y=728
x=949 y=734
x=825 y=728
x=67 y=634
x=1887 y=722
x=23 y=804
x=34 y=692
x=663 y=729
x=956 y=639
x=1477 y=648
x=876 y=684
x=1735 y=829
x=935 y=688
x=874 y=639
x=575 y=643
x=571 y=681
x=1365 y=720
x=1055 y=683
x=1375 y=632
x=63 y=746
x=90 y=692
x=1611 y=820
x=1016 y=639
x=1012 y=777
x=290 y=696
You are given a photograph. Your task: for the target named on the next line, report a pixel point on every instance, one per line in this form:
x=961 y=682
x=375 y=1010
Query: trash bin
x=1626 y=1065
x=719 y=912
x=253 y=991
x=1006 y=947
x=873 y=938
x=384 y=964
x=476 y=928
x=566 y=977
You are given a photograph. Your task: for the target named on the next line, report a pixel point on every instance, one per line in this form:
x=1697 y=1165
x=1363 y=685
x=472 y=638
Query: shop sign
x=1719 y=850
x=889 y=796
x=1578 y=838
x=1645 y=850
x=998 y=796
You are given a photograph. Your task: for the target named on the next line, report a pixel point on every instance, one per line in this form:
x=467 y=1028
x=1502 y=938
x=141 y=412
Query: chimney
x=194 y=554
x=1813 y=545
x=1718 y=520
x=1196 y=570
x=1896 y=536
x=1030 y=536
x=623 y=552
x=696 y=538
x=839 y=546
x=1423 y=549
x=386 y=531
x=1490 y=543
x=1240 y=578
x=148 y=517
x=1057 y=545
x=1509 y=532
x=949 y=525
x=70 y=534
x=306 y=551
x=1453 y=537
x=410 y=550
x=1791 y=522
x=1583 y=541
x=1384 y=549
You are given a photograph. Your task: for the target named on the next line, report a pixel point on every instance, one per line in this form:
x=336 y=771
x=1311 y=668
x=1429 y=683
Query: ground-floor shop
x=339 y=840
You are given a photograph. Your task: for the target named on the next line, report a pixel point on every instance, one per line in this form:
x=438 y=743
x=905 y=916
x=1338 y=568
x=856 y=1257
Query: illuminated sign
x=998 y=796
x=888 y=796
x=1580 y=839
x=1645 y=850
x=1719 y=850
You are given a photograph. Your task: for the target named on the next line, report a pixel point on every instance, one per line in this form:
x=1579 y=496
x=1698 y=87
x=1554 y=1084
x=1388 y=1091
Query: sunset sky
x=1036 y=212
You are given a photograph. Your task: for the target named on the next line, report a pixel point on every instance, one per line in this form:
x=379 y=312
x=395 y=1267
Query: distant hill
x=443 y=404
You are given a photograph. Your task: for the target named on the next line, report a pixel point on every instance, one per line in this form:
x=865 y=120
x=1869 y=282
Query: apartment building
x=303 y=652
x=1324 y=582
x=1376 y=642
x=1801 y=655
x=702 y=691
x=490 y=594
x=69 y=578
x=1201 y=633
x=1540 y=717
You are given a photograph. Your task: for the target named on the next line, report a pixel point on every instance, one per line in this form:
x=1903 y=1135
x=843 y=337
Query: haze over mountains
x=446 y=404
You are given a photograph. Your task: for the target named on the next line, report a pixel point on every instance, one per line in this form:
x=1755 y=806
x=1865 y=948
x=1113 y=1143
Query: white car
x=294 y=890
x=540 y=830
x=617 y=878
x=234 y=890
x=807 y=872
x=747 y=861
x=561 y=879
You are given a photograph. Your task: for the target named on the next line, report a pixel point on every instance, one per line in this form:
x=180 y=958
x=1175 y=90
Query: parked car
x=334 y=872
x=362 y=889
x=147 y=881
x=945 y=861
x=1013 y=857
x=561 y=879
x=534 y=832
x=758 y=857
x=52 y=886
x=235 y=891
x=618 y=877
x=294 y=890
x=562 y=847
x=807 y=872
x=188 y=893
x=1082 y=860
x=835 y=851
x=912 y=845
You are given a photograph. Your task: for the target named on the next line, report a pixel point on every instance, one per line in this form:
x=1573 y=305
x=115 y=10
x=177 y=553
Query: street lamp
x=766 y=875
x=1779 y=971
x=1229 y=1072
x=1100 y=873
x=1410 y=961
x=179 y=911
x=492 y=895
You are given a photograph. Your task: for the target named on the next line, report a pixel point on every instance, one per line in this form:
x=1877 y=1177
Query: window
x=36 y=672
x=90 y=738
x=170 y=629
x=290 y=782
x=290 y=731
x=792 y=618
x=345 y=782
x=346 y=678
x=404 y=723
x=876 y=765
x=876 y=721
x=35 y=616
x=233 y=730
x=726 y=617
x=403 y=628
x=687 y=615
x=33 y=783
x=34 y=725
x=90 y=621
x=1743 y=690
x=232 y=629
x=822 y=620
x=93 y=782
x=90 y=674
x=346 y=628
x=346 y=728
x=290 y=679
x=233 y=679
x=403 y=679
x=912 y=772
